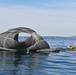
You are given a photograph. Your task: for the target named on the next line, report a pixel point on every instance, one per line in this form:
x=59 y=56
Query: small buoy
x=70 y=47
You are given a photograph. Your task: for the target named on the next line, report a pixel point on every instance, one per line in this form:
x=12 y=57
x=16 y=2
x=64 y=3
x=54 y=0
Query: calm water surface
x=62 y=63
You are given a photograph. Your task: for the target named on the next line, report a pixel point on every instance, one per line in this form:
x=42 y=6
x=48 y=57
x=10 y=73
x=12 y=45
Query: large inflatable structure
x=9 y=40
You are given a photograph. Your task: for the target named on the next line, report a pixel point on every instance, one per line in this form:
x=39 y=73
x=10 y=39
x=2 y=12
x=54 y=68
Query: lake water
x=62 y=63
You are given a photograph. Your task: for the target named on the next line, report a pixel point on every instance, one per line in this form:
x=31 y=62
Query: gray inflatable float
x=34 y=43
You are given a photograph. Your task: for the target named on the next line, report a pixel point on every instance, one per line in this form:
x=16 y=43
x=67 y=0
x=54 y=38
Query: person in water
x=70 y=47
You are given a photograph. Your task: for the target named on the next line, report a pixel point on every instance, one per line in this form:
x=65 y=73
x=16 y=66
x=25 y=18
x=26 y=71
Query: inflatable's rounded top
x=22 y=29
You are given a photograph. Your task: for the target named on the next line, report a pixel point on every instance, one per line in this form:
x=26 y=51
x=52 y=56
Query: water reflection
x=62 y=63
x=16 y=63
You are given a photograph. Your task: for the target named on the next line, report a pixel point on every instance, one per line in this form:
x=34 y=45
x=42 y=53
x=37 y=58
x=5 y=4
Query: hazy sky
x=47 y=17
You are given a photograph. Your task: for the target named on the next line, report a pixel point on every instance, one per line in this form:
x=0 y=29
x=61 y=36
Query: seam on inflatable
x=5 y=40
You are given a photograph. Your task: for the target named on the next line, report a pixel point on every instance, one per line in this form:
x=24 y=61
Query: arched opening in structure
x=23 y=36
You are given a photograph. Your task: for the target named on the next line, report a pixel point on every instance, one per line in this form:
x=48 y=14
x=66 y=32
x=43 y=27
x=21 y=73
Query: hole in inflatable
x=23 y=36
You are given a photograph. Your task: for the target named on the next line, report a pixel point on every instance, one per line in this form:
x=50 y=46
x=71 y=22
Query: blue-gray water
x=62 y=63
